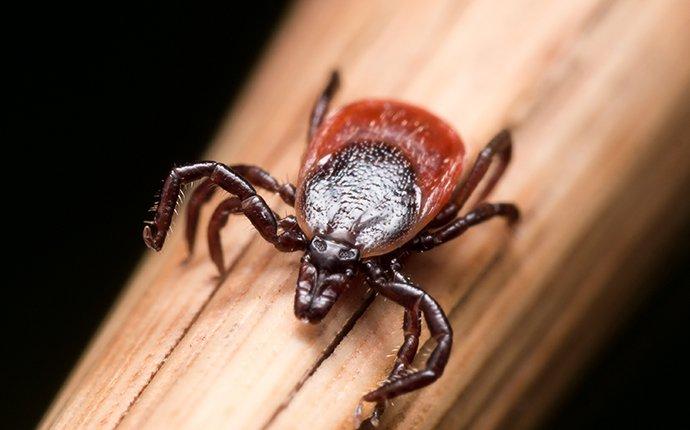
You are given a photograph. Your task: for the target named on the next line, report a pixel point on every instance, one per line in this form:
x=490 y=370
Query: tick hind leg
x=500 y=148
x=484 y=212
x=320 y=109
x=252 y=205
x=446 y=226
x=414 y=299
x=203 y=193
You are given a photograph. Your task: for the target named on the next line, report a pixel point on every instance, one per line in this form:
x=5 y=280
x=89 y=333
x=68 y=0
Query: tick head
x=327 y=268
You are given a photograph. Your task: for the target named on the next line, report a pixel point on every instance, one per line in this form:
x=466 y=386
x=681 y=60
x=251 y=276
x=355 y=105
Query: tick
x=380 y=180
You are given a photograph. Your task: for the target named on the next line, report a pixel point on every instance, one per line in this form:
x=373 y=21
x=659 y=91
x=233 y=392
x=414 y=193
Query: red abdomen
x=376 y=172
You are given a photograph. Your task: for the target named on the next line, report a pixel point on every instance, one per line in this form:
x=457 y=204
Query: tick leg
x=412 y=329
x=484 y=212
x=500 y=147
x=320 y=109
x=262 y=179
x=447 y=214
x=201 y=195
x=412 y=298
x=253 y=174
x=291 y=238
x=253 y=206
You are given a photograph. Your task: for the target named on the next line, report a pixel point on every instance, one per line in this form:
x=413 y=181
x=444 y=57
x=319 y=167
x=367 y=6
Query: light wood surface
x=597 y=94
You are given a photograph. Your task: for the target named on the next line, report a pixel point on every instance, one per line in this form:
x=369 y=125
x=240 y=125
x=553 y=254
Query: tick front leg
x=200 y=196
x=320 y=109
x=256 y=176
x=484 y=212
x=253 y=206
x=290 y=239
x=413 y=298
x=262 y=179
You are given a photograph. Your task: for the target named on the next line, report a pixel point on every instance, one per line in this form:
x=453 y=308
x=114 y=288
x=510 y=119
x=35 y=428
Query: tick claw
x=373 y=419
x=150 y=237
x=358 y=414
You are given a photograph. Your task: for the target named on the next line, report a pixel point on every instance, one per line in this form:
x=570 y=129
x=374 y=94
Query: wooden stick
x=597 y=94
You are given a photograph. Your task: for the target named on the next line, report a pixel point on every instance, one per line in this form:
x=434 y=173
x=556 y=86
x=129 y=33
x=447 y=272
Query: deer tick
x=380 y=180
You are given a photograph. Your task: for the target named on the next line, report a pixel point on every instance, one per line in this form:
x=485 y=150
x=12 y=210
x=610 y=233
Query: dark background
x=102 y=101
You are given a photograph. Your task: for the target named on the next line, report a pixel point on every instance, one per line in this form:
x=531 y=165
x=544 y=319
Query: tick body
x=375 y=174
x=380 y=180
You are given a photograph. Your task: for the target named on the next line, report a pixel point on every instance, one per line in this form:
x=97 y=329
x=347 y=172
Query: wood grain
x=597 y=94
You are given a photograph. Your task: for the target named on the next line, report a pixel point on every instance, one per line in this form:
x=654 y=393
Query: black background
x=102 y=101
